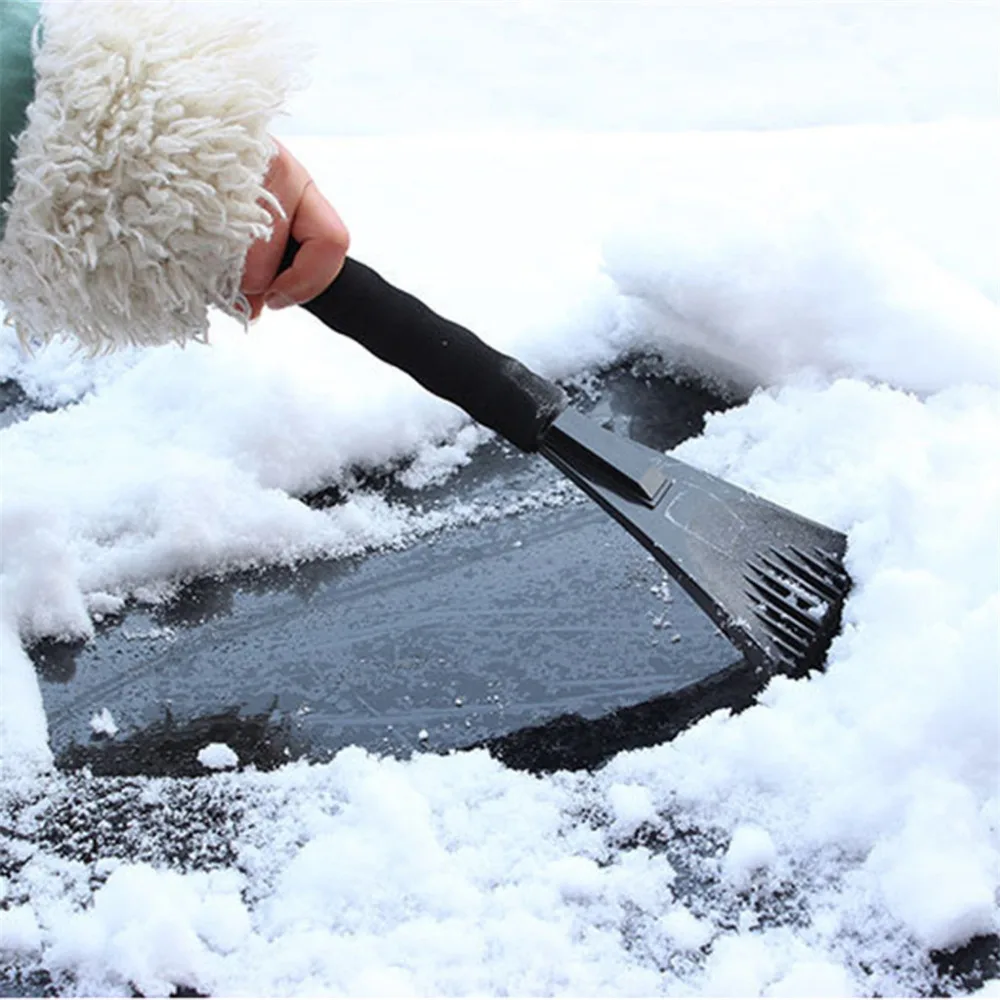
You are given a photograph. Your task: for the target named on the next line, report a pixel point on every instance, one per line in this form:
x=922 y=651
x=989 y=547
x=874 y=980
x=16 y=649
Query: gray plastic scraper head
x=772 y=581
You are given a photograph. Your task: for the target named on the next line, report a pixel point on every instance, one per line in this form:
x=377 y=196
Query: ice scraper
x=773 y=582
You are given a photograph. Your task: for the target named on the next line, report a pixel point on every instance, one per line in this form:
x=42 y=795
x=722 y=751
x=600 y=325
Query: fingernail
x=278 y=300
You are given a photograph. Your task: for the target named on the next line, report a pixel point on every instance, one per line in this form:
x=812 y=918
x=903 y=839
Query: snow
x=811 y=979
x=154 y=928
x=750 y=851
x=685 y=931
x=822 y=230
x=217 y=757
x=875 y=304
x=630 y=65
x=632 y=805
x=103 y=723
x=24 y=732
x=19 y=931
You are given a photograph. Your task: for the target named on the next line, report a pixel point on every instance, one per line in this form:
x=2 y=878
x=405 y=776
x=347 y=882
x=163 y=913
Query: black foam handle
x=444 y=357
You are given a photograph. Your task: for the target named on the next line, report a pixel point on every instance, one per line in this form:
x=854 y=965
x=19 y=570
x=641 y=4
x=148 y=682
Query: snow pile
x=610 y=66
x=892 y=753
x=867 y=795
x=769 y=280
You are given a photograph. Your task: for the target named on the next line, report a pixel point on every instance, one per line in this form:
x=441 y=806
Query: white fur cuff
x=139 y=176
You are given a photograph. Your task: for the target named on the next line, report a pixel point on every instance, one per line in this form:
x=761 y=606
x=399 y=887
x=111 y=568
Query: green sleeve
x=17 y=83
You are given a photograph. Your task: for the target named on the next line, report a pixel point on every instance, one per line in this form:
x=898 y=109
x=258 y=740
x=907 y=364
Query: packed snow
x=833 y=244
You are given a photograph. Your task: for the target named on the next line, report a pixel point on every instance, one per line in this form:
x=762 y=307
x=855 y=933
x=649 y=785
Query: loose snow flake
x=217 y=757
x=102 y=723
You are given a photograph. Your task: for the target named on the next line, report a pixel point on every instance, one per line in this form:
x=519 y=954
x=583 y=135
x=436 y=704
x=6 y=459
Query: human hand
x=317 y=227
